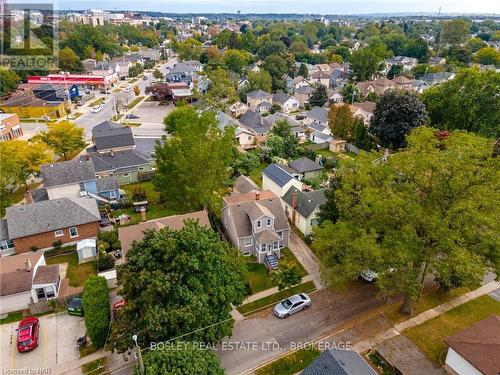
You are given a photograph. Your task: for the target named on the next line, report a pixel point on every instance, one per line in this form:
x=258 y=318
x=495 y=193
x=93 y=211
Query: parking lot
x=56 y=345
x=152 y=112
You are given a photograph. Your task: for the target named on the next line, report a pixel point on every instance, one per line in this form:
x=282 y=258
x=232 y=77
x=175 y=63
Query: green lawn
x=256 y=174
x=116 y=117
x=95 y=367
x=428 y=300
x=155 y=210
x=287 y=256
x=291 y=363
x=18 y=195
x=258 y=277
x=134 y=102
x=429 y=336
x=12 y=317
x=76 y=273
x=95 y=103
x=255 y=306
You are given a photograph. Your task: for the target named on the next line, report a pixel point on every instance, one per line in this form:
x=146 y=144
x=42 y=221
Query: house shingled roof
x=277 y=174
x=67 y=172
x=108 y=135
x=339 y=362
x=303 y=165
x=307 y=201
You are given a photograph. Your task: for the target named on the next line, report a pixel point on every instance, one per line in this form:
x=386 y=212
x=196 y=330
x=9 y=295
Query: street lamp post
x=139 y=355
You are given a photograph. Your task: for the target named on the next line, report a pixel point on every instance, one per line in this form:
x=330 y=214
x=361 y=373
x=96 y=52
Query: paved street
x=270 y=336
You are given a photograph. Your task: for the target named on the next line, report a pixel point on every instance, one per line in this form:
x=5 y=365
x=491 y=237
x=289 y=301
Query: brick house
x=10 y=127
x=39 y=225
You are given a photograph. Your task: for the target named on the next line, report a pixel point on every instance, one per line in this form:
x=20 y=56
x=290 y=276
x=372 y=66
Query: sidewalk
x=306 y=257
x=426 y=315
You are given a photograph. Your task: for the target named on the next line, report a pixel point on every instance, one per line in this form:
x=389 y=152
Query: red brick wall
x=44 y=240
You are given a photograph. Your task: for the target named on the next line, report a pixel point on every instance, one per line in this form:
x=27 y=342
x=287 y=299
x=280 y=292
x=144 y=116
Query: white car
x=369 y=275
x=127 y=89
x=292 y=305
x=96 y=109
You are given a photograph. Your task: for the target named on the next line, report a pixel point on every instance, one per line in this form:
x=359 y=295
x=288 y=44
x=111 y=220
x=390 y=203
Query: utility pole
x=139 y=355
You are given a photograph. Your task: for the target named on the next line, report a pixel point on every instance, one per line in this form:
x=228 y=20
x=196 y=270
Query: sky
x=290 y=6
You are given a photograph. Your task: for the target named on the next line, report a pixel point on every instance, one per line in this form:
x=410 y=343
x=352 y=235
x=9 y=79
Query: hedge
x=96 y=309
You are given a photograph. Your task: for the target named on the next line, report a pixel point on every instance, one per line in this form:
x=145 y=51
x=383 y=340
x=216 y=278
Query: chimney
x=27 y=265
x=112 y=153
x=143 y=213
x=257 y=195
x=87 y=157
x=28 y=197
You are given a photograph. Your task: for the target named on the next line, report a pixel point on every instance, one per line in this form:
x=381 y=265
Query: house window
x=6 y=244
x=40 y=293
x=49 y=292
x=280 y=233
x=268 y=222
x=59 y=233
x=275 y=245
x=141 y=168
x=73 y=232
x=248 y=241
x=259 y=224
x=263 y=247
x=125 y=175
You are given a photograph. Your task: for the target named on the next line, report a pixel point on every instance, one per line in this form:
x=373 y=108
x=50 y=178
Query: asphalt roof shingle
x=303 y=165
x=277 y=174
x=46 y=216
x=118 y=161
x=307 y=201
x=108 y=135
x=67 y=172
x=339 y=362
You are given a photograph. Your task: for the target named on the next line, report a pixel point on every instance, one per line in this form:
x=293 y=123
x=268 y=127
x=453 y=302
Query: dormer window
x=259 y=224
x=268 y=222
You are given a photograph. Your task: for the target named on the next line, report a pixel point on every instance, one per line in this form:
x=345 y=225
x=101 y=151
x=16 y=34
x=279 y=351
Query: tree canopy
x=427 y=209
x=63 y=138
x=176 y=282
x=396 y=114
x=194 y=163
x=466 y=102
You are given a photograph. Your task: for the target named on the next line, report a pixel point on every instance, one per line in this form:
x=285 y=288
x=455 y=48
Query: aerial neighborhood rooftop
x=262 y=192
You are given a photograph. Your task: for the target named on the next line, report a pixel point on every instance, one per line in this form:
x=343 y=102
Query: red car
x=27 y=334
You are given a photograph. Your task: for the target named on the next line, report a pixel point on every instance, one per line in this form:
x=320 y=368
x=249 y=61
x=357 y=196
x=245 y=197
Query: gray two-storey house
x=256 y=224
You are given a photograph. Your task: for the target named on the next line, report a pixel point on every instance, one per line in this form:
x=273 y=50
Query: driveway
x=57 y=345
x=263 y=337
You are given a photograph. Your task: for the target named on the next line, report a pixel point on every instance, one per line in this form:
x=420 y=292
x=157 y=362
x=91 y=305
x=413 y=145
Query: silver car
x=291 y=305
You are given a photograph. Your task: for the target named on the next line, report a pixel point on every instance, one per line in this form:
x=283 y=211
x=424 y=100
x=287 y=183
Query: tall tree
x=20 y=160
x=454 y=31
x=277 y=67
x=319 y=96
x=396 y=114
x=69 y=61
x=365 y=62
x=194 y=163
x=190 y=49
x=63 y=138
x=488 y=56
x=341 y=122
x=282 y=129
x=236 y=60
x=466 y=102
x=178 y=282
x=182 y=358
x=260 y=80
x=10 y=80
x=221 y=91
x=426 y=210
x=303 y=72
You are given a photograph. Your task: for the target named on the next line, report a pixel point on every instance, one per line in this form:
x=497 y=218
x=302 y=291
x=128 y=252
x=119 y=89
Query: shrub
x=57 y=244
x=139 y=194
x=108 y=236
x=105 y=261
x=97 y=310
x=34 y=248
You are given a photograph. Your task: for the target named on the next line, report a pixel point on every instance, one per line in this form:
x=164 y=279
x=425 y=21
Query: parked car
x=27 y=334
x=292 y=305
x=96 y=109
x=75 y=307
x=127 y=89
x=145 y=77
x=80 y=102
x=131 y=116
x=369 y=275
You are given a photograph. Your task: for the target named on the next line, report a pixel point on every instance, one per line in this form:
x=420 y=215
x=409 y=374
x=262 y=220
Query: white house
x=278 y=179
x=302 y=207
x=475 y=350
x=26 y=278
x=287 y=102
